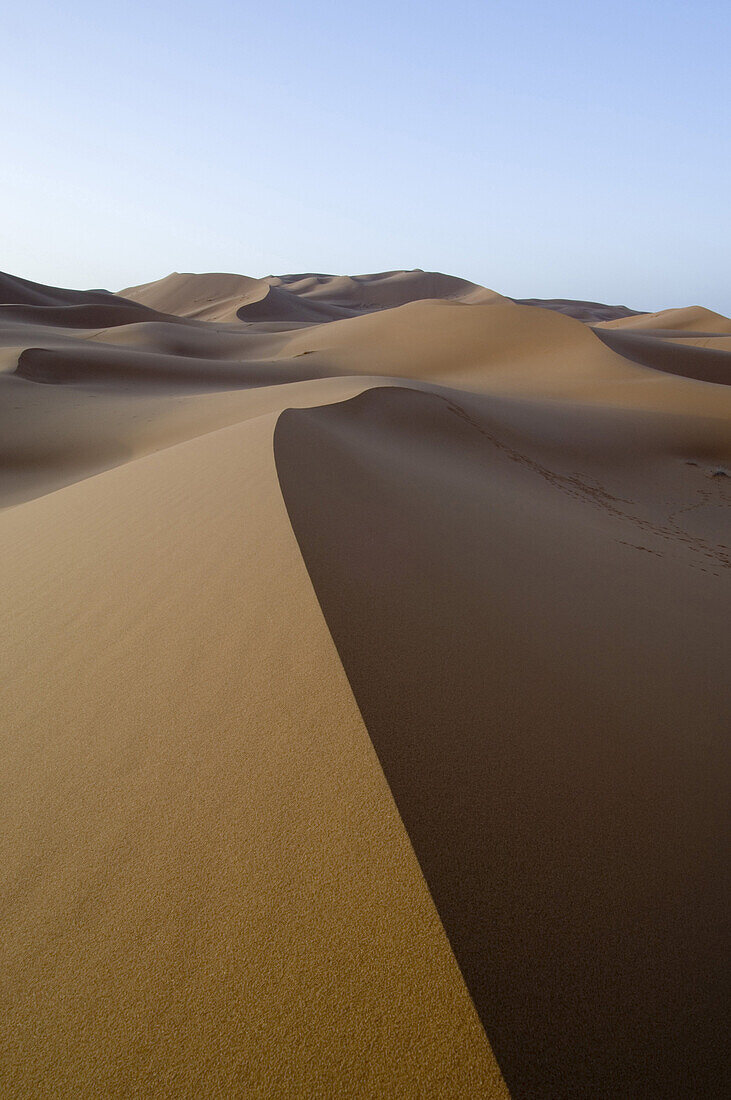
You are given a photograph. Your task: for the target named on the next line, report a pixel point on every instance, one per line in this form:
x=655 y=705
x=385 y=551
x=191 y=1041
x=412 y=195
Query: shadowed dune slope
x=706 y=364
x=552 y=726
x=283 y=305
x=78 y=316
x=104 y=363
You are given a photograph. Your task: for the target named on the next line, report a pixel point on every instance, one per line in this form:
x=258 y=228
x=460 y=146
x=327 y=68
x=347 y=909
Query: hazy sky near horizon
x=549 y=150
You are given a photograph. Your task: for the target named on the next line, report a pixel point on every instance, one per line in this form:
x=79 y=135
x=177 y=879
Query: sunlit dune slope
x=208 y=889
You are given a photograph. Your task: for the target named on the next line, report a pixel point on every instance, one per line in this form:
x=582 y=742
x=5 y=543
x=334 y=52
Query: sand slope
x=365 y=691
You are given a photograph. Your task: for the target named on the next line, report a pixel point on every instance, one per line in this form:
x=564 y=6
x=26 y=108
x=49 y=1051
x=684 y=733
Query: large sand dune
x=365 y=694
x=295 y=298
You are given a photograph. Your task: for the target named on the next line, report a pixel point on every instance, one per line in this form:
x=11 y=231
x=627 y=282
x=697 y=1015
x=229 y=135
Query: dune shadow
x=550 y=725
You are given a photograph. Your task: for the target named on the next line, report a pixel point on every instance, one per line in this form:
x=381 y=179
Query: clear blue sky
x=548 y=149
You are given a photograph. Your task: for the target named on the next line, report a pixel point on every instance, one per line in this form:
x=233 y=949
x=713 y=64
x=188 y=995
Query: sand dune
x=299 y=298
x=364 y=293
x=689 y=319
x=590 y=312
x=211 y=297
x=15 y=291
x=479 y=345
x=365 y=691
x=32 y=303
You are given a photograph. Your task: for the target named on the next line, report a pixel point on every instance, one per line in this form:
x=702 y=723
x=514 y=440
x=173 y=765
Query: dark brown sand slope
x=533 y=634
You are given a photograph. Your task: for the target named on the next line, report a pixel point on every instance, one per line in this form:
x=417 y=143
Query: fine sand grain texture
x=208 y=890
x=365 y=692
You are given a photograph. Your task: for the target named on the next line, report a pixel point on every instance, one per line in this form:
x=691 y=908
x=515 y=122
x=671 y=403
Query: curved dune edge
x=551 y=724
x=208 y=888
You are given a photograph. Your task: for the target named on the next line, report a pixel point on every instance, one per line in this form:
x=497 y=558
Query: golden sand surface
x=209 y=889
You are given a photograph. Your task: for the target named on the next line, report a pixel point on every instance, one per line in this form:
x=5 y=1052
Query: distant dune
x=690 y=319
x=15 y=291
x=209 y=297
x=591 y=312
x=299 y=298
x=365 y=694
x=34 y=303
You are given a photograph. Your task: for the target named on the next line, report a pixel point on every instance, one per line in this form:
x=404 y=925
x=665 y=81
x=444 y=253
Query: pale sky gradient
x=566 y=149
